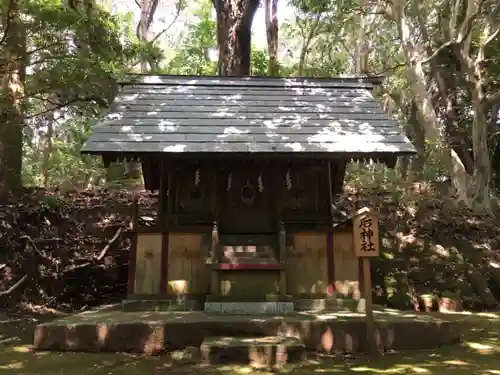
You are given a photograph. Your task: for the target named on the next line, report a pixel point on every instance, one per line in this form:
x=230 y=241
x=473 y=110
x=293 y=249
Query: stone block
x=259 y=352
x=250 y=308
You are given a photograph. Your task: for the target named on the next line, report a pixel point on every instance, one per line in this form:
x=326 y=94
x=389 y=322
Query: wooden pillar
x=275 y=197
x=132 y=260
x=164 y=207
x=214 y=256
x=214 y=282
x=282 y=245
x=330 y=257
x=162 y=201
x=330 y=263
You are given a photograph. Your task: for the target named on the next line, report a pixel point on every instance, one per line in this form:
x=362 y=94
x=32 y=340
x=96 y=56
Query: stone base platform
x=158 y=332
x=259 y=352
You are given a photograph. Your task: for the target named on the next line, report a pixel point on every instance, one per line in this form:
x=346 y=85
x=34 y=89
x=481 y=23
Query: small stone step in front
x=259 y=352
x=249 y=308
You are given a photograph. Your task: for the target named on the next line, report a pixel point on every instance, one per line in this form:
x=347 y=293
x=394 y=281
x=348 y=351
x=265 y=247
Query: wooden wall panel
x=346 y=265
x=187 y=271
x=148 y=263
x=306 y=265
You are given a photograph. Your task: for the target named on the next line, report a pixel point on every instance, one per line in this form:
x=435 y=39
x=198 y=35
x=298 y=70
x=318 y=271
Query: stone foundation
x=119 y=331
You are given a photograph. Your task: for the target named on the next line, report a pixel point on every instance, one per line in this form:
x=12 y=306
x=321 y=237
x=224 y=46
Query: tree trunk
x=416 y=75
x=474 y=73
x=148 y=10
x=306 y=43
x=47 y=143
x=416 y=129
x=13 y=89
x=272 y=36
x=362 y=46
x=234 y=36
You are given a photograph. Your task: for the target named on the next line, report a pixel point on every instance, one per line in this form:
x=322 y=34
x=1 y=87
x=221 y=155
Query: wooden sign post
x=366 y=240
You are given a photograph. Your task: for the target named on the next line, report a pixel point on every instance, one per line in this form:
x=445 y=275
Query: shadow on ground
x=478 y=354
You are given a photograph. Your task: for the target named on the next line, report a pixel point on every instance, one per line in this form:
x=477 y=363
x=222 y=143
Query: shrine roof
x=186 y=114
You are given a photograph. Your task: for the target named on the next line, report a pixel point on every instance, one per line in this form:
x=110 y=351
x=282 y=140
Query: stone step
x=249 y=308
x=259 y=352
x=263 y=297
x=157 y=305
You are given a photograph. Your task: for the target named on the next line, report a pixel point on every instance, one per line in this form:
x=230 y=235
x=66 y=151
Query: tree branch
x=494 y=99
x=7 y=17
x=58 y=105
x=14 y=287
x=491 y=38
x=390 y=69
x=99 y=257
x=35 y=248
x=178 y=12
x=35 y=50
x=438 y=51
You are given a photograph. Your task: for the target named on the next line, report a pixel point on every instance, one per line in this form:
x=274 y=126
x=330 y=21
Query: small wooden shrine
x=247 y=171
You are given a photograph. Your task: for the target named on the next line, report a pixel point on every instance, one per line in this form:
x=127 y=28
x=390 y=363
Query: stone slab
x=330 y=304
x=260 y=352
x=161 y=305
x=250 y=308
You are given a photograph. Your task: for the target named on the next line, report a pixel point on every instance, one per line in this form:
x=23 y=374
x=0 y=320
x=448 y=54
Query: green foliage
x=195 y=55
x=73 y=61
x=72 y=88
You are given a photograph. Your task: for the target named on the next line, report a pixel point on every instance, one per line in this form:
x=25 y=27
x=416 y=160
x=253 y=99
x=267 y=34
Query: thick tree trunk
x=362 y=47
x=13 y=104
x=47 y=143
x=148 y=10
x=416 y=75
x=474 y=73
x=417 y=134
x=234 y=36
x=482 y=162
x=272 y=36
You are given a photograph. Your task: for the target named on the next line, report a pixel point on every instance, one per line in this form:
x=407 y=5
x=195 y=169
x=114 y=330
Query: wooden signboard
x=365 y=233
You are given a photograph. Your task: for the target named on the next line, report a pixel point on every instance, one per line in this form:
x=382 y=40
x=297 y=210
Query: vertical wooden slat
x=330 y=258
x=162 y=197
x=186 y=268
x=131 y=263
x=164 y=264
x=282 y=258
x=148 y=264
x=346 y=265
x=330 y=263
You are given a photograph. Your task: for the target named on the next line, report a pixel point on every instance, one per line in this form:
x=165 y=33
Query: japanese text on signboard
x=366 y=234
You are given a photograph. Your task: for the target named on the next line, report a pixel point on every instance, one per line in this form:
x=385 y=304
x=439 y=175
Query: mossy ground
x=478 y=354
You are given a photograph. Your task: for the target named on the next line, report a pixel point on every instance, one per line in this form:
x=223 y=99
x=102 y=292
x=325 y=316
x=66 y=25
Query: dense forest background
x=59 y=67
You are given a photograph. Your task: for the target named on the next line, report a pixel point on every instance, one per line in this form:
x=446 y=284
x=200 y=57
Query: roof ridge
x=366 y=82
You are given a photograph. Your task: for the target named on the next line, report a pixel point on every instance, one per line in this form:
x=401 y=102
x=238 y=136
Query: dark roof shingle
x=217 y=114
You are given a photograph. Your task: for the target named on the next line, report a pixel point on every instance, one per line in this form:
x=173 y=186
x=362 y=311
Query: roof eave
x=347 y=154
